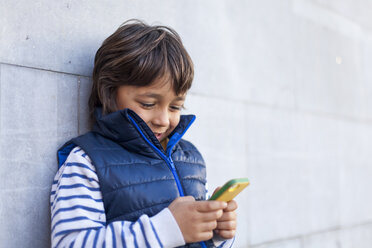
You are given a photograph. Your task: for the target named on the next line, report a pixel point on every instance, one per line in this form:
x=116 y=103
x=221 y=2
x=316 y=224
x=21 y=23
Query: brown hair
x=137 y=54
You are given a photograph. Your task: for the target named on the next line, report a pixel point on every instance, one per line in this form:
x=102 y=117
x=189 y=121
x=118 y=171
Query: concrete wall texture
x=282 y=93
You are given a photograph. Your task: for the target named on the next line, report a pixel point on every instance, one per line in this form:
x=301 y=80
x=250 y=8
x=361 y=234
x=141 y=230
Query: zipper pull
x=171 y=163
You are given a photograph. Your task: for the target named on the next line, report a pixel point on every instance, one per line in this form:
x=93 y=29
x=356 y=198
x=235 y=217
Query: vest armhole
x=63 y=153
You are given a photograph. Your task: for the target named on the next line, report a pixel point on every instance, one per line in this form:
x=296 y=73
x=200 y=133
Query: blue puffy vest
x=136 y=175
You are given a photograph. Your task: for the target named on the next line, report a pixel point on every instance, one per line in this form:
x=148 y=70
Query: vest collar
x=119 y=127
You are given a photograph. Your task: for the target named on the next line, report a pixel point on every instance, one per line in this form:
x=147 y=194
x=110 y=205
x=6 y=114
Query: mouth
x=158 y=135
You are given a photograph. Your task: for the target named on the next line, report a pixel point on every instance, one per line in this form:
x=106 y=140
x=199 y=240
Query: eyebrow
x=157 y=96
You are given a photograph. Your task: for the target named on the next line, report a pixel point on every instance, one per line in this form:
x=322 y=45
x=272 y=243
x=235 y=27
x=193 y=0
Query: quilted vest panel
x=133 y=184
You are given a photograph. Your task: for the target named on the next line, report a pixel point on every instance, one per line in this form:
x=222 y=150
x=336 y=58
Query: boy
x=132 y=181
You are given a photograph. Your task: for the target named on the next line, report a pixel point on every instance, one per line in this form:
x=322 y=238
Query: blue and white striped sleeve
x=78 y=217
x=217 y=240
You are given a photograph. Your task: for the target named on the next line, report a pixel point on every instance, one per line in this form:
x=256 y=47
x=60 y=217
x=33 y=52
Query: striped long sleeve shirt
x=78 y=217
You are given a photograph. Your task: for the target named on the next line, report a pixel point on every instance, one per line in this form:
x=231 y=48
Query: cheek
x=174 y=120
x=145 y=115
x=121 y=96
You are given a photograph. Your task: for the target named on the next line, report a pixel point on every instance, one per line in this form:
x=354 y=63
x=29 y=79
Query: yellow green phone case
x=230 y=189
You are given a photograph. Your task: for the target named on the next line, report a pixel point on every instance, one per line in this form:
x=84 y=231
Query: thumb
x=217 y=189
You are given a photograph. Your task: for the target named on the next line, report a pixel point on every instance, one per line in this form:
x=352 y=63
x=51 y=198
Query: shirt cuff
x=167 y=229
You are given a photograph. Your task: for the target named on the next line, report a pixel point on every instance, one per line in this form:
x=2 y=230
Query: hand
x=226 y=225
x=196 y=219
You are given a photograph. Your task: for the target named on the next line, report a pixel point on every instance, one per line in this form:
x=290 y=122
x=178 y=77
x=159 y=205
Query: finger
x=231 y=206
x=210 y=216
x=226 y=234
x=201 y=236
x=208 y=206
x=206 y=235
x=208 y=226
x=188 y=198
x=226 y=225
x=226 y=216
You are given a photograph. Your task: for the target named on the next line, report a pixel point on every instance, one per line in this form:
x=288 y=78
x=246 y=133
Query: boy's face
x=156 y=104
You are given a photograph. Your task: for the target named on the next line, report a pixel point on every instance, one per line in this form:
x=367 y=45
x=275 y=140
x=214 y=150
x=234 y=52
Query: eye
x=176 y=108
x=147 y=105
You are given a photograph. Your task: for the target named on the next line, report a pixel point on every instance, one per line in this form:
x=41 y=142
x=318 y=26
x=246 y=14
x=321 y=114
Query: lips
x=158 y=135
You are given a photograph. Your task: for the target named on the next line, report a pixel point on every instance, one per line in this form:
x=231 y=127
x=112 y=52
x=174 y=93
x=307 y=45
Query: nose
x=161 y=118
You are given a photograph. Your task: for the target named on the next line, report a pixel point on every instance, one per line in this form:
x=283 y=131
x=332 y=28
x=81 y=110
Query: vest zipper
x=168 y=160
x=173 y=168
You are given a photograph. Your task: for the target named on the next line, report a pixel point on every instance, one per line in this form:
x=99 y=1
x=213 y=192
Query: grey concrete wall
x=282 y=92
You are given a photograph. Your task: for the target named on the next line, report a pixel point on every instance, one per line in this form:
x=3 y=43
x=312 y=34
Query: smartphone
x=230 y=189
